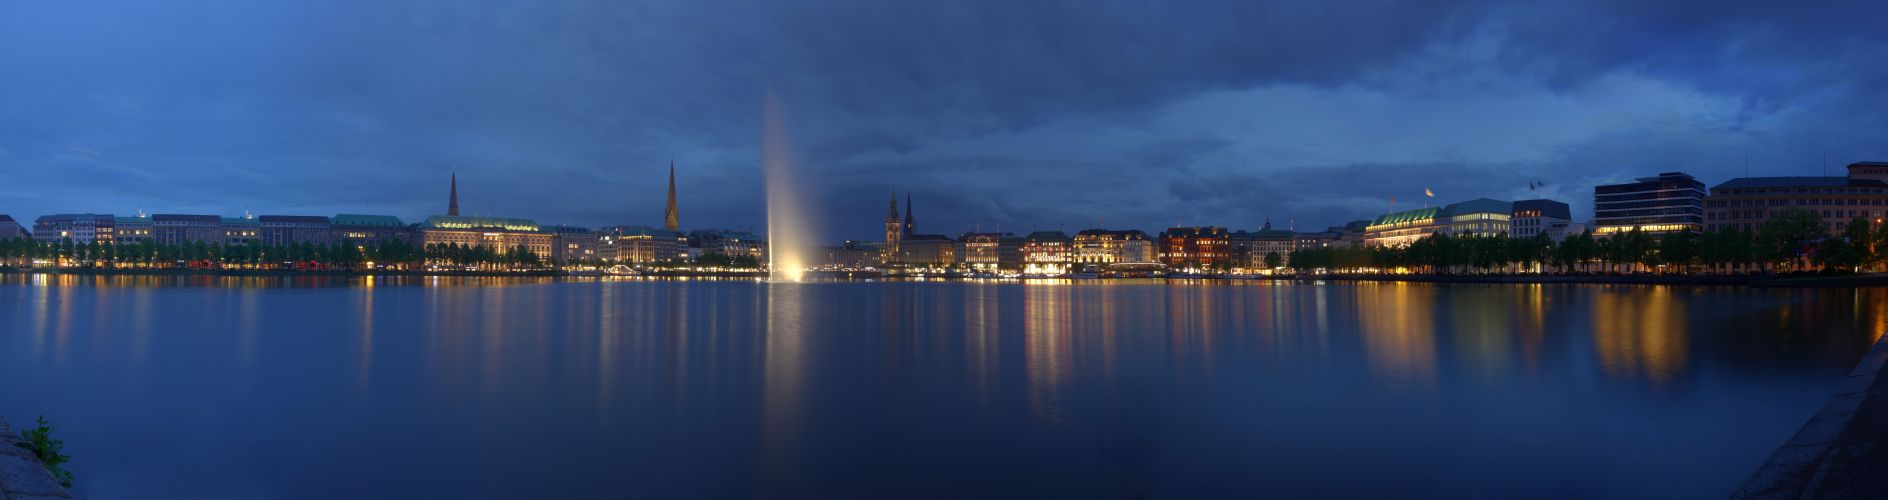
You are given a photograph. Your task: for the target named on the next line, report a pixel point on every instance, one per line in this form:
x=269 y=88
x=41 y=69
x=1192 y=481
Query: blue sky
x=1011 y=115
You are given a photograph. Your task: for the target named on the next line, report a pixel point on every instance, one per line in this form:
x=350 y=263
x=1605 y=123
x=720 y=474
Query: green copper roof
x=1405 y=216
x=367 y=220
x=477 y=223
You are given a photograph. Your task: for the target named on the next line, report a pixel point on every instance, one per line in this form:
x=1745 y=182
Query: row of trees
x=1794 y=240
x=251 y=254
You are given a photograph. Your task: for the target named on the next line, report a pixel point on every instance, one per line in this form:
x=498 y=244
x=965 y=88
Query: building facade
x=635 y=245
x=1479 y=217
x=282 y=230
x=80 y=228
x=1672 y=201
x=178 y=229
x=1195 y=248
x=132 y=230
x=990 y=252
x=1248 y=250
x=1047 y=253
x=1746 y=203
x=498 y=233
x=574 y=244
x=1535 y=217
x=10 y=229
x=1105 y=247
x=239 y=230
x=362 y=230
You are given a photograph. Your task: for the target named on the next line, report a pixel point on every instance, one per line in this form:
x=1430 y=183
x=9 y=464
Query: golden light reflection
x=1398 y=321
x=785 y=362
x=1639 y=332
x=1047 y=355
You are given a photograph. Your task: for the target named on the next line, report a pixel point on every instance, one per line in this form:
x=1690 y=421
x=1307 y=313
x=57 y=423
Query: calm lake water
x=213 y=387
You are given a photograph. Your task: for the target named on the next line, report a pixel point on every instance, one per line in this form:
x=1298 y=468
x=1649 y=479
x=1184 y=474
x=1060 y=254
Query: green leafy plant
x=39 y=441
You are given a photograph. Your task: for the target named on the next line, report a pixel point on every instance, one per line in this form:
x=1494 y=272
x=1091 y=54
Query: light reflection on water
x=488 y=387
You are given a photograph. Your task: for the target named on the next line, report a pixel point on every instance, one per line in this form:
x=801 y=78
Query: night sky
x=1019 y=115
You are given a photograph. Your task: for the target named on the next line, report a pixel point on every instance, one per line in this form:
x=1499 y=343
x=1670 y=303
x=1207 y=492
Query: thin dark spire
x=910 y=224
x=452 y=206
x=671 y=218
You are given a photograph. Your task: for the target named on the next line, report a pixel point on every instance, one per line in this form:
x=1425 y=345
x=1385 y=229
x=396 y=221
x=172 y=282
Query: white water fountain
x=788 y=234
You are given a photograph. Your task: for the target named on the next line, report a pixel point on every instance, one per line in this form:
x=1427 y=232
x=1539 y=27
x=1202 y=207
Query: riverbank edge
x=1800 y=281
x=22 y=476
x=1800 y=467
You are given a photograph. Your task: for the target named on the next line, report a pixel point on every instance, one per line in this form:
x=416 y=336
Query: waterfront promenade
x=1839 y=452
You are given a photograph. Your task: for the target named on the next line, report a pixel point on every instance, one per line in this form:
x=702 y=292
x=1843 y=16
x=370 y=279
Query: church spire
x=670 y=218
x=452 y=207
x=910 y=225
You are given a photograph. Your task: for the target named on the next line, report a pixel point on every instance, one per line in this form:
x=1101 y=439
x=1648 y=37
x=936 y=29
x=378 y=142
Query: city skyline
x=1465 y=99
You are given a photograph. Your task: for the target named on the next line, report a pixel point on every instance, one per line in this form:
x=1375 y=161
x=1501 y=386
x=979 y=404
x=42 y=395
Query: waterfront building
x=894 y=229
x=1105 y=247
x=1046 y=252
x=498 y=233
x=642 y=245
x=990 y=252
x=1194 y=248
x=10 y=229
x=736 y=244
x=1672 y=201
x=852 y=254
x=1746 y=203
x=574 y=244
x=132 y=230
x=1248 y=249
x=1351 y=234
x=1533 y=217
x=238 y=230
x=1480 y=217
x=926 y=250
x=80 y=228
x=904 y=246
x=362 y=230
x=283 y=230
x=178 y=229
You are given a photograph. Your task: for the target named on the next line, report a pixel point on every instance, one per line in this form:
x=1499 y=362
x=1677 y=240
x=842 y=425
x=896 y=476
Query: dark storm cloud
x=1020 y=114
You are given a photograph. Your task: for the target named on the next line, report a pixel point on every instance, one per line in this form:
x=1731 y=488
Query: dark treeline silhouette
x=250 y=254
x=1793 y=241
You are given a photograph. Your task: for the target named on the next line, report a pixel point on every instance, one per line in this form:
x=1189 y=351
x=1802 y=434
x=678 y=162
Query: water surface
x=216 y=387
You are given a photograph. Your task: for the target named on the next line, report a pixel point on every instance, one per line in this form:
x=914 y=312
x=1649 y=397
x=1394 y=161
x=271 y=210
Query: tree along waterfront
x=252 y=254
x=1793 y=241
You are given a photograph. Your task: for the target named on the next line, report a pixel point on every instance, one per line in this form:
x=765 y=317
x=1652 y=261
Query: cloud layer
x=1017 y=115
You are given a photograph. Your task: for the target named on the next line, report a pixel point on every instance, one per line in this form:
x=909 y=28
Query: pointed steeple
x=891 y=217
x=671 y=219
x=910 y=223
x=452 y=207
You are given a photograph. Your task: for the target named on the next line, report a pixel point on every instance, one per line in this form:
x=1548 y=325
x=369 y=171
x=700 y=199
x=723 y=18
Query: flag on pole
x=1427 y=192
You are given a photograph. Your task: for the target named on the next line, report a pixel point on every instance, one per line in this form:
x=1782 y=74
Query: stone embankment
x=22 y=477
x=1842 y=451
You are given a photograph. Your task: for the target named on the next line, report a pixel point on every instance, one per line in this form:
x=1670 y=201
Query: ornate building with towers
x=893 y=231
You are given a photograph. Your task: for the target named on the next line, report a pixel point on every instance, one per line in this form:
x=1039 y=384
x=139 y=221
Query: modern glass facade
x=1673 y=201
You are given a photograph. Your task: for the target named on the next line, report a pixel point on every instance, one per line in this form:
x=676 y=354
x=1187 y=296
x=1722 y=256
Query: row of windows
x=1801 y=191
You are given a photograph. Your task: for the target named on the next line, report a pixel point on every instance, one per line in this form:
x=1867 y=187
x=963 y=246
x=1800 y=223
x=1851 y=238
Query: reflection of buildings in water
x=1530 y=321
x=365 y=311
x=1193 y=321
x=1480 y=330
x=1046 y=348
x=1399 y=331
x=1639 y=332
x=982 y=324
x=785 y=363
